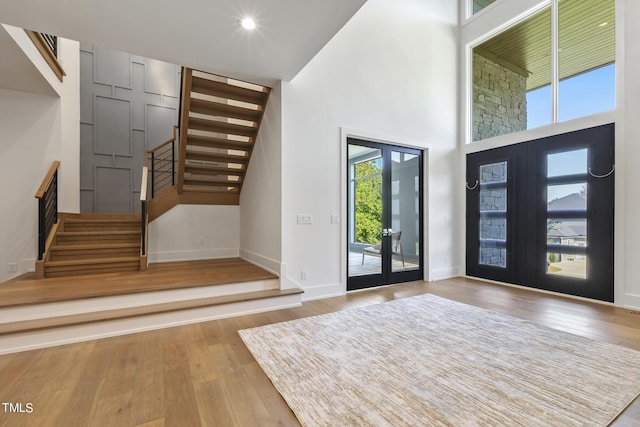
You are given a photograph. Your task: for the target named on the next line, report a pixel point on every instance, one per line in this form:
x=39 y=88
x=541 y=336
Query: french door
x=540 y=213
x=385 y=214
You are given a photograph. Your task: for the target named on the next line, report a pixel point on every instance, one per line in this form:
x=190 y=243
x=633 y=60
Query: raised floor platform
x=38 y=313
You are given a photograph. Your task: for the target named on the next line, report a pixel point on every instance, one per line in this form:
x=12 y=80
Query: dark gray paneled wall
x=127 y=104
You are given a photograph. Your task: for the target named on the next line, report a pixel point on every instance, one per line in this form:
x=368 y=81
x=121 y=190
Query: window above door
x=556 y=63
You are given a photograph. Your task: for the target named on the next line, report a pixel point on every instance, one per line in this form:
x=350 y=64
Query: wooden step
x=189 y=189
x=216 y=157
x=212 y=170
x=129 y=312
x=101 y=225
x=85 y=252
x=212 y=182
x=212 y=108
x=222 y=127
x=224 y=90
x=211 y=142
x=96 y=237
x=91 y=266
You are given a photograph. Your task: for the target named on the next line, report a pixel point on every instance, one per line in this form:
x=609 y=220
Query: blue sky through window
x=584 y=94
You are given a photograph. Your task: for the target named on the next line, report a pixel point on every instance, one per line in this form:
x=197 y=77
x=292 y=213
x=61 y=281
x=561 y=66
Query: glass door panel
x=365 y=222
x=405 y=211
x=567 y=213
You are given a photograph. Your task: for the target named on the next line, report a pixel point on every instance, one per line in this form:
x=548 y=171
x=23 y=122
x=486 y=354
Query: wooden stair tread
x=222 y=127
x=213 y=170
x=101 y=220
x=216 y=157
x=94 y=216
x=98 y=233
x=83 y=318
x=213 y=108
x=100 y=246
x=209 y=189
x=92 y=261
x=224 y=90
x=212 y=142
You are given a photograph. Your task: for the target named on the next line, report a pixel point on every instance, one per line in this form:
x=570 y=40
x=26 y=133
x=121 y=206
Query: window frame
x=518 y=15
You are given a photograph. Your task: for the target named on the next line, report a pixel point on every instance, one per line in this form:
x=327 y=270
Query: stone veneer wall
x=499 y=99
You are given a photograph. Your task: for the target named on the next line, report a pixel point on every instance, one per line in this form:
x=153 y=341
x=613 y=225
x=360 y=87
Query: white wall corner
x=271 y=265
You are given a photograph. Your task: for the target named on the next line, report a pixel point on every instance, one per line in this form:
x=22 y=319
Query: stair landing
x=36 y=313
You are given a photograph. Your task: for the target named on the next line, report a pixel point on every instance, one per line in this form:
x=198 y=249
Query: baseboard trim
x=192 y=255
x=444 y=273
x=271 y=265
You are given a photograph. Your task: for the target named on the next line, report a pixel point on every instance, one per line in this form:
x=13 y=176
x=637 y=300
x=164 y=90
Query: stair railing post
x=153 y=174
x=173 y=163
x=41 y=227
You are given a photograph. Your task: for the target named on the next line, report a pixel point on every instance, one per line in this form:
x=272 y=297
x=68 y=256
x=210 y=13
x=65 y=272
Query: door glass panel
x=567 y=197
x=365 y=207
x=567 y=163
x=571 y=232
x=405 y=218
x=559 y=264
x=493 y=214
x=567 y=231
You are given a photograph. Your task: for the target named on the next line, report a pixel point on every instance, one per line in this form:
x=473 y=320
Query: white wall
x=36 y=130
x=192 y=232
x=261 y=196
x=391 y=71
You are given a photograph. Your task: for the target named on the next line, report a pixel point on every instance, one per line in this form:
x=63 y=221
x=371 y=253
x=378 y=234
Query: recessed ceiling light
x=603 y=24
x=248 y=23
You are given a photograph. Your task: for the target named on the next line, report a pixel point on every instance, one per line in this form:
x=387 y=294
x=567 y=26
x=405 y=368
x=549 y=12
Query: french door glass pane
x=365 y=221
x=405 y=198
x=493 y=214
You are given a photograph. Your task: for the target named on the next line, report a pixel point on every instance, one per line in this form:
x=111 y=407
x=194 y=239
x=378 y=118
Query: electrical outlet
x=13 y=267
x=305 y=219
x=335 y=219
x=304 y=274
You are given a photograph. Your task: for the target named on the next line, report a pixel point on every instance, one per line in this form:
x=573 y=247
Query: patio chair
x=375 y=250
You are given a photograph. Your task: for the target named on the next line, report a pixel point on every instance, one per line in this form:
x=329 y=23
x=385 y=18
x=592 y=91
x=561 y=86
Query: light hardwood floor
x=202 y=374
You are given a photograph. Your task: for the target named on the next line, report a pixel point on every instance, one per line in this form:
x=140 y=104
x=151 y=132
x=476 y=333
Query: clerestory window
x=556 y=64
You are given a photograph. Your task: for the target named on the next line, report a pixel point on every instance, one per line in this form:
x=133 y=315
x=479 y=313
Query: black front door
x=540 y=213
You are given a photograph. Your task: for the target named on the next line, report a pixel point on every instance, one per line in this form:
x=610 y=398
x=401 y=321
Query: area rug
x=429 y=361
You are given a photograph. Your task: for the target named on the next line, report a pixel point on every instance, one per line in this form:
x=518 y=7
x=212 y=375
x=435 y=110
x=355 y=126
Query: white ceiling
x=201 y=34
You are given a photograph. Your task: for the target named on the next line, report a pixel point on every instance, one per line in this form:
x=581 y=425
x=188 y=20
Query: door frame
x=345 y=134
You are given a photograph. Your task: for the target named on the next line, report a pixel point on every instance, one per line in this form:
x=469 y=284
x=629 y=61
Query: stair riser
x=95 y=240
x=97 y=227
x=77 y=254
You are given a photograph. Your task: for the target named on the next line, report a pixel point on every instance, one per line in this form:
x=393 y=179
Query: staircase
x=93 y=244
x=219 y=125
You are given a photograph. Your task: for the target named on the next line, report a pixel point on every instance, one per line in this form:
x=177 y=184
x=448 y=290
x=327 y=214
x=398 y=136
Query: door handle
x=386 y=232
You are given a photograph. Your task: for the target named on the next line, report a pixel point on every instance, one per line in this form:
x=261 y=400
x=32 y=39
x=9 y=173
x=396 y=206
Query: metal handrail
x=47 y=196
x=143 y=217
